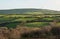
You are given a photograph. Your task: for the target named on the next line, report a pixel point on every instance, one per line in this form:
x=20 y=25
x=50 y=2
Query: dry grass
x=31 y=33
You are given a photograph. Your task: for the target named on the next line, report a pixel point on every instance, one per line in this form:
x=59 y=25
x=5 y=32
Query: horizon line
x=27 y=8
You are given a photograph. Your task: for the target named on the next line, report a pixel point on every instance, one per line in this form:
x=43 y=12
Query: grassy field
x=37 y=24
x=26 y=20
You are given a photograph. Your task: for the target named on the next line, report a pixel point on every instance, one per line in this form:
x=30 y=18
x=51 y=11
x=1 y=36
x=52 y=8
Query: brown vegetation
x=46 y=32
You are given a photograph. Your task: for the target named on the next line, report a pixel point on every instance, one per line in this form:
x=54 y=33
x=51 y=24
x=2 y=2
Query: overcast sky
x=41 y=4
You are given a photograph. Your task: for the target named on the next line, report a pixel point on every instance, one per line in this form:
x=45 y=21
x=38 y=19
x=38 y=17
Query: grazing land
x=29 y=24
x=27 y=20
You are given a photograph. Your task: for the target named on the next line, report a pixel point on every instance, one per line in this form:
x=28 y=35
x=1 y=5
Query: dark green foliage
x=55 y=30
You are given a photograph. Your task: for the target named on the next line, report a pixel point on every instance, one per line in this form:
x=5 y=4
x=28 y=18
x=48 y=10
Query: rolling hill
x=29 y=11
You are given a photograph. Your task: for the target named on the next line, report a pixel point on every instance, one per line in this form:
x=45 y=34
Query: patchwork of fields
x=30 y=26
x=29 y=20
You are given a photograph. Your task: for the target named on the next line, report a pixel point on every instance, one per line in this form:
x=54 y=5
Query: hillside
x=29 y=11
x=29 y=24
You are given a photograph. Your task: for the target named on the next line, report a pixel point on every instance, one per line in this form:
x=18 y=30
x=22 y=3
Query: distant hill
x=29 y=11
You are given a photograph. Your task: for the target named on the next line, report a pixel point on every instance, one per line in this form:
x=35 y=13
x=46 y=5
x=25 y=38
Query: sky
x=39 y=4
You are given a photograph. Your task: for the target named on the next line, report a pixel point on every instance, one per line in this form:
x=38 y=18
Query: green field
x=28 y=20
x=37 y=24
